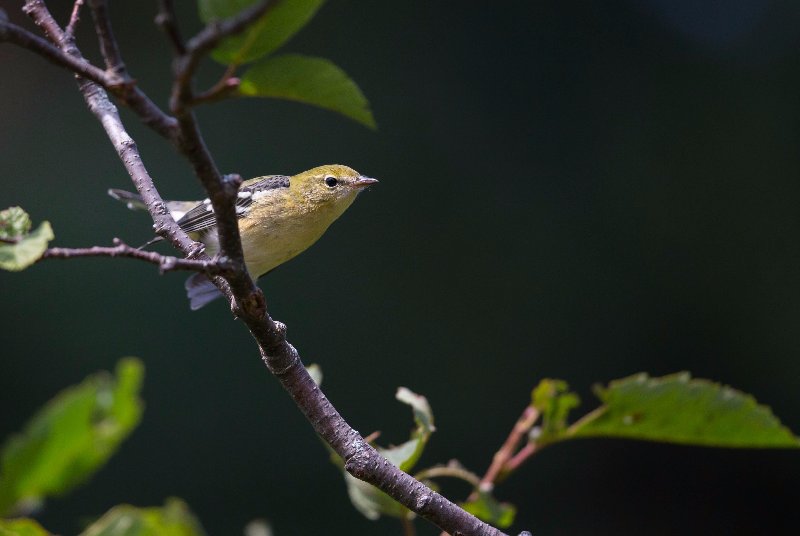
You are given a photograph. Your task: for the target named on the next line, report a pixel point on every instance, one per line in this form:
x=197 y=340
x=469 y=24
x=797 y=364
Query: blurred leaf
x=369 y=500
x=554 y=401
x=173 y=519
x=26 y=248
x=21 y=527
x=315 y=371
x=266 y=34
x=70 y=438
x=14 y=222
x=678 y=409
x=314 y=81
x=488 y=509
x=258 y=527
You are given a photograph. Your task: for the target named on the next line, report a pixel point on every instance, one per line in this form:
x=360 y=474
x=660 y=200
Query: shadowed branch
x=281 y=358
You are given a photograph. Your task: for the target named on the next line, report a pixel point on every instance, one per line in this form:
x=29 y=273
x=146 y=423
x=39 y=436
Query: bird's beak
x=363 y=182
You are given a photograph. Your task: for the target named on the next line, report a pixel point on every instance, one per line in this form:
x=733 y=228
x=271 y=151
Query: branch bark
x=165 y=263
x=281 y=358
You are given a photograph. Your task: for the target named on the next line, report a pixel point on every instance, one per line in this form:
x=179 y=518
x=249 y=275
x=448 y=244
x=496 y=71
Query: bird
x=279 y=217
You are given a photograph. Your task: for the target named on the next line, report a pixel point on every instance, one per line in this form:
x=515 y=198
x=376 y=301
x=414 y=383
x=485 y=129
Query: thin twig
x=105 y=35
x=507 y=450
x=221 y=190
x=520 y=457
x=165 y=263
x=451 y=471
x=360 y=459
x=125 y=90
x=19 y=36
x=225 y=86
x=168 y=23
x=74 y=18
x=99 y=104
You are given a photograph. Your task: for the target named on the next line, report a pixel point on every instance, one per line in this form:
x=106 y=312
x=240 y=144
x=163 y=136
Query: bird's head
x=332 y=185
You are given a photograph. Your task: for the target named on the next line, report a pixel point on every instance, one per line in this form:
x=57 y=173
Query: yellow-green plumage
x=279 y=217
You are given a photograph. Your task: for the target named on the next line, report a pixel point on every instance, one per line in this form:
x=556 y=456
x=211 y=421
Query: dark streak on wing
x=201 y=217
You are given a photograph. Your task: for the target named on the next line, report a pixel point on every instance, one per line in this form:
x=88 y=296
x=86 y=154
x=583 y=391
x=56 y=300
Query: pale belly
x=275 y=242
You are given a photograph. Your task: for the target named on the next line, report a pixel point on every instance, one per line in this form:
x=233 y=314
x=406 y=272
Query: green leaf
x=488 y=509
x=21 y=527
x=554 y=401
x=314 y=81
x=679 y=409
x=18 y=247
x=70 y=438
x=406 y=455
x=173 y=519
x=369 y=500
x=265 y=35
x=14 y=222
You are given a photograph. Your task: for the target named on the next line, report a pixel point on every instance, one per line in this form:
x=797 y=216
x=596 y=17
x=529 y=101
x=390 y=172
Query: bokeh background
x=581 y=190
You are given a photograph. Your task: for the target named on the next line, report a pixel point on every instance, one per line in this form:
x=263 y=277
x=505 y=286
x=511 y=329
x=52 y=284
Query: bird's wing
x=201 y=217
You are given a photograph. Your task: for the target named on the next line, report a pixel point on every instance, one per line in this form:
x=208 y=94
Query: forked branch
x=361 y=459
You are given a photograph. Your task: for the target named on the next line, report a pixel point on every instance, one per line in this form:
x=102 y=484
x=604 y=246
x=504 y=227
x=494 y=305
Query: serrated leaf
x=553 y=399
x=679 y=409
x=490 y=510
x=70 y=438
x=265 y=35
x=20 y=248
x=309 y=80
x=173 y=519
x=21 y=527
x=371 y=501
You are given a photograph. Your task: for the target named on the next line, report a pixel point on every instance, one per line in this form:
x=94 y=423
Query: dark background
x=581 y=190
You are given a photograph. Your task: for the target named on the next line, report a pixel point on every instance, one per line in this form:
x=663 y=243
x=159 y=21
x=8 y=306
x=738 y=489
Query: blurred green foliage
x=19 y=248
x=70 y=438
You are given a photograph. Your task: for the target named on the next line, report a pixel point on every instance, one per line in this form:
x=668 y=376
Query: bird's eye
x=331 y=181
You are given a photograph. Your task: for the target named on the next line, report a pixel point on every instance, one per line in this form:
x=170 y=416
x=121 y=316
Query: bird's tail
x=134 y=201
x=200 y=291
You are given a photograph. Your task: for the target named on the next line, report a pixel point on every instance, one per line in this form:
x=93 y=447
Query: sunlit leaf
x=314 y=81
x=70 y=438
x=405 y=455
x=20 y=248
x=266 y=34
x=488 y=509
x=14 y=222
x=679 y=409
x=21 y=527
x=173 y=519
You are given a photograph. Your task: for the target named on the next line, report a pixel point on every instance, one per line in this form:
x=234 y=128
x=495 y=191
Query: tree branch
x=165 y=263
x=74 y=18
x=282 y=359
x=168 y=23
x=102 y=108
x=506 y=452
x=108 y=43
x=17 y=35
x=221 y=190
